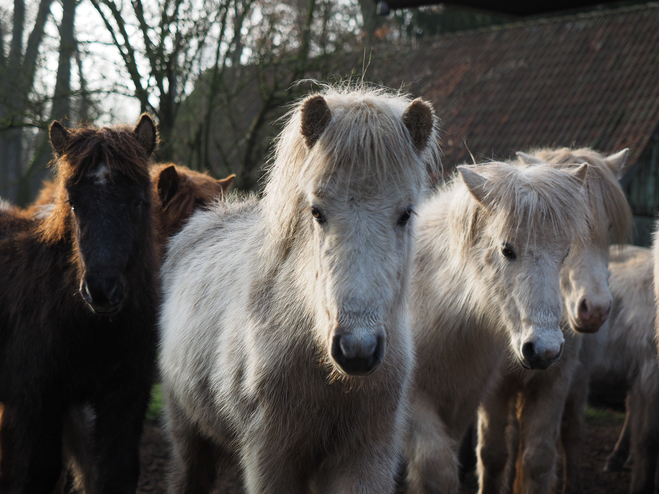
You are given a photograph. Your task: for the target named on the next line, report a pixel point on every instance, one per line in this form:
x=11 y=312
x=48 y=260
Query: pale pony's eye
x=317 y=214
x=404 y=218
x=508 y=252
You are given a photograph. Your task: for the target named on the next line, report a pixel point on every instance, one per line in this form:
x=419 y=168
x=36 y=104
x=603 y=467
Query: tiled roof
x=589 y=79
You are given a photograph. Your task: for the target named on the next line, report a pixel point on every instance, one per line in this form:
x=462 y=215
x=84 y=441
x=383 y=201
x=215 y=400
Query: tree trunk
x=14 y=92
x=31 y=178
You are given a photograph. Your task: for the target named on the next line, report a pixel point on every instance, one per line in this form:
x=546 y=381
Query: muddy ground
x=603 y=430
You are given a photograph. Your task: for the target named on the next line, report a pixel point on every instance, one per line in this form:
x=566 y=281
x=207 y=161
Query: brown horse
x=181 y=191
x=78 y=301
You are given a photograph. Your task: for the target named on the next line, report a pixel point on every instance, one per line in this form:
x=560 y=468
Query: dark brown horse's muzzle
x=104 y=294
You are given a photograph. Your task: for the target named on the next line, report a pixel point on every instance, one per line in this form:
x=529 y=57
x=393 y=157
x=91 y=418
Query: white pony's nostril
x=369 y=344
x=348 y=347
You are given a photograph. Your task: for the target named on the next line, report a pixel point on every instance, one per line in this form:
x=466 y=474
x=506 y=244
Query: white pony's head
x=584 y=278
x=350 y=168
x=518 y=231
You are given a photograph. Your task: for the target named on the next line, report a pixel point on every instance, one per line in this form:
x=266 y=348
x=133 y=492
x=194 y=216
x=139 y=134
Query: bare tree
x=166 y=56
x=15 y=109
x=32 y=175
x=285 y=42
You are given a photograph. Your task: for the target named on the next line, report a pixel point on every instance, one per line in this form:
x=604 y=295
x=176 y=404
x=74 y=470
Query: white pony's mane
x=540 y=199
x=613 y=219
x=365 y=138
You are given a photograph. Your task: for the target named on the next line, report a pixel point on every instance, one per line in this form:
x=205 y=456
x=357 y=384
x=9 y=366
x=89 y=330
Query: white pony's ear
x=476 y=184
x=580 y=172
x=528 y=159
x=418 y=119
x=315 y=117
x=616 y=162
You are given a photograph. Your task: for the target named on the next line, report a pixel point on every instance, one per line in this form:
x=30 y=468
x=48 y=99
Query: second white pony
x=285 y=340
x=486 y=284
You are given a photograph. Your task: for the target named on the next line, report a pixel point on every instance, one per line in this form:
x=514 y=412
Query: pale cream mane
x=365 y=138
x=540 y=199
x=611 y=218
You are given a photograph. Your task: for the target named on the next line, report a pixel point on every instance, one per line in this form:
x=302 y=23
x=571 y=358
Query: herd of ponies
x=341 y=332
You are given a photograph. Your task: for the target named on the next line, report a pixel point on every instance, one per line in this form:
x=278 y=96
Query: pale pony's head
x=520 y=224
x=350 y=168
x=584 y=278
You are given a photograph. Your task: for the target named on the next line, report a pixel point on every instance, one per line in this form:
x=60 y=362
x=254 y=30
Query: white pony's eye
x=318 y=216
x=404 y=218
x=566 y=254
x=508 y=252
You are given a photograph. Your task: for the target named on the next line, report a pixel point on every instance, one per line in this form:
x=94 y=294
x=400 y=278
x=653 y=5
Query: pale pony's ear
x=146 y=133
x=580 y=172
x=226 y=183
x=616 y=162
x=316 y=115
x=528 y=159
x=476 y=184
x=418 y=118
x=59 y=137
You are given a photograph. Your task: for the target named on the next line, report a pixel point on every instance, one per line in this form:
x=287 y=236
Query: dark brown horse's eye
x=404 y=218
x=508 y=252
x=318 y=216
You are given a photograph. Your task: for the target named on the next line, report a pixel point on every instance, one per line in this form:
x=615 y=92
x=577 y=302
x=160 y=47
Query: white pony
x=486 y=282
x=533 y=402
x=623 y=354
x=285 y=341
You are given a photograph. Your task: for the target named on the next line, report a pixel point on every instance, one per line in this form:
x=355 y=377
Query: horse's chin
x=584 y=328
x=588 y=329
x=104 y=311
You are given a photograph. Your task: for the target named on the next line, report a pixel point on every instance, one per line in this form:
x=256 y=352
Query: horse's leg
x=539 y=415
x=119 y=423
x=616 y=460
x=573 y=428
x=194 y=463
x=431 y=454
x=369 y=467
x=79 y=449
x=644 y=402
x=493 y=418
x=271 y=465
x=32 y=450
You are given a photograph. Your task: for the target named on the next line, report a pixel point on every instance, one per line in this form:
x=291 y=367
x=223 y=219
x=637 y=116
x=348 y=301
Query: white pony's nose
x=358 y=355
x=592 y=313
x=540 y=354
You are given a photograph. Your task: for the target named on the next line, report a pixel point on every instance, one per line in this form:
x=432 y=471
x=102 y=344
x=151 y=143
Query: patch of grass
x=155 y=410
x=603 y=415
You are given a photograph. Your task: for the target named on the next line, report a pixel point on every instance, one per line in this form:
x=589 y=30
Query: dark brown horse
x=78 y=301
x=181 y=191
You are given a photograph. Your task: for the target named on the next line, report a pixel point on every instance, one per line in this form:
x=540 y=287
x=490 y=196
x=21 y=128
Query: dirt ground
x=602 y=433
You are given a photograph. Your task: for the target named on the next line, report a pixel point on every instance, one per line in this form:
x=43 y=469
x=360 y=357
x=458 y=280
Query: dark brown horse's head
x=103 y=204
x=181 y=191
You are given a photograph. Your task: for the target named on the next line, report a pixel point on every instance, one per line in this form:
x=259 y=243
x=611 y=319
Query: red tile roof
x=589 y=79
